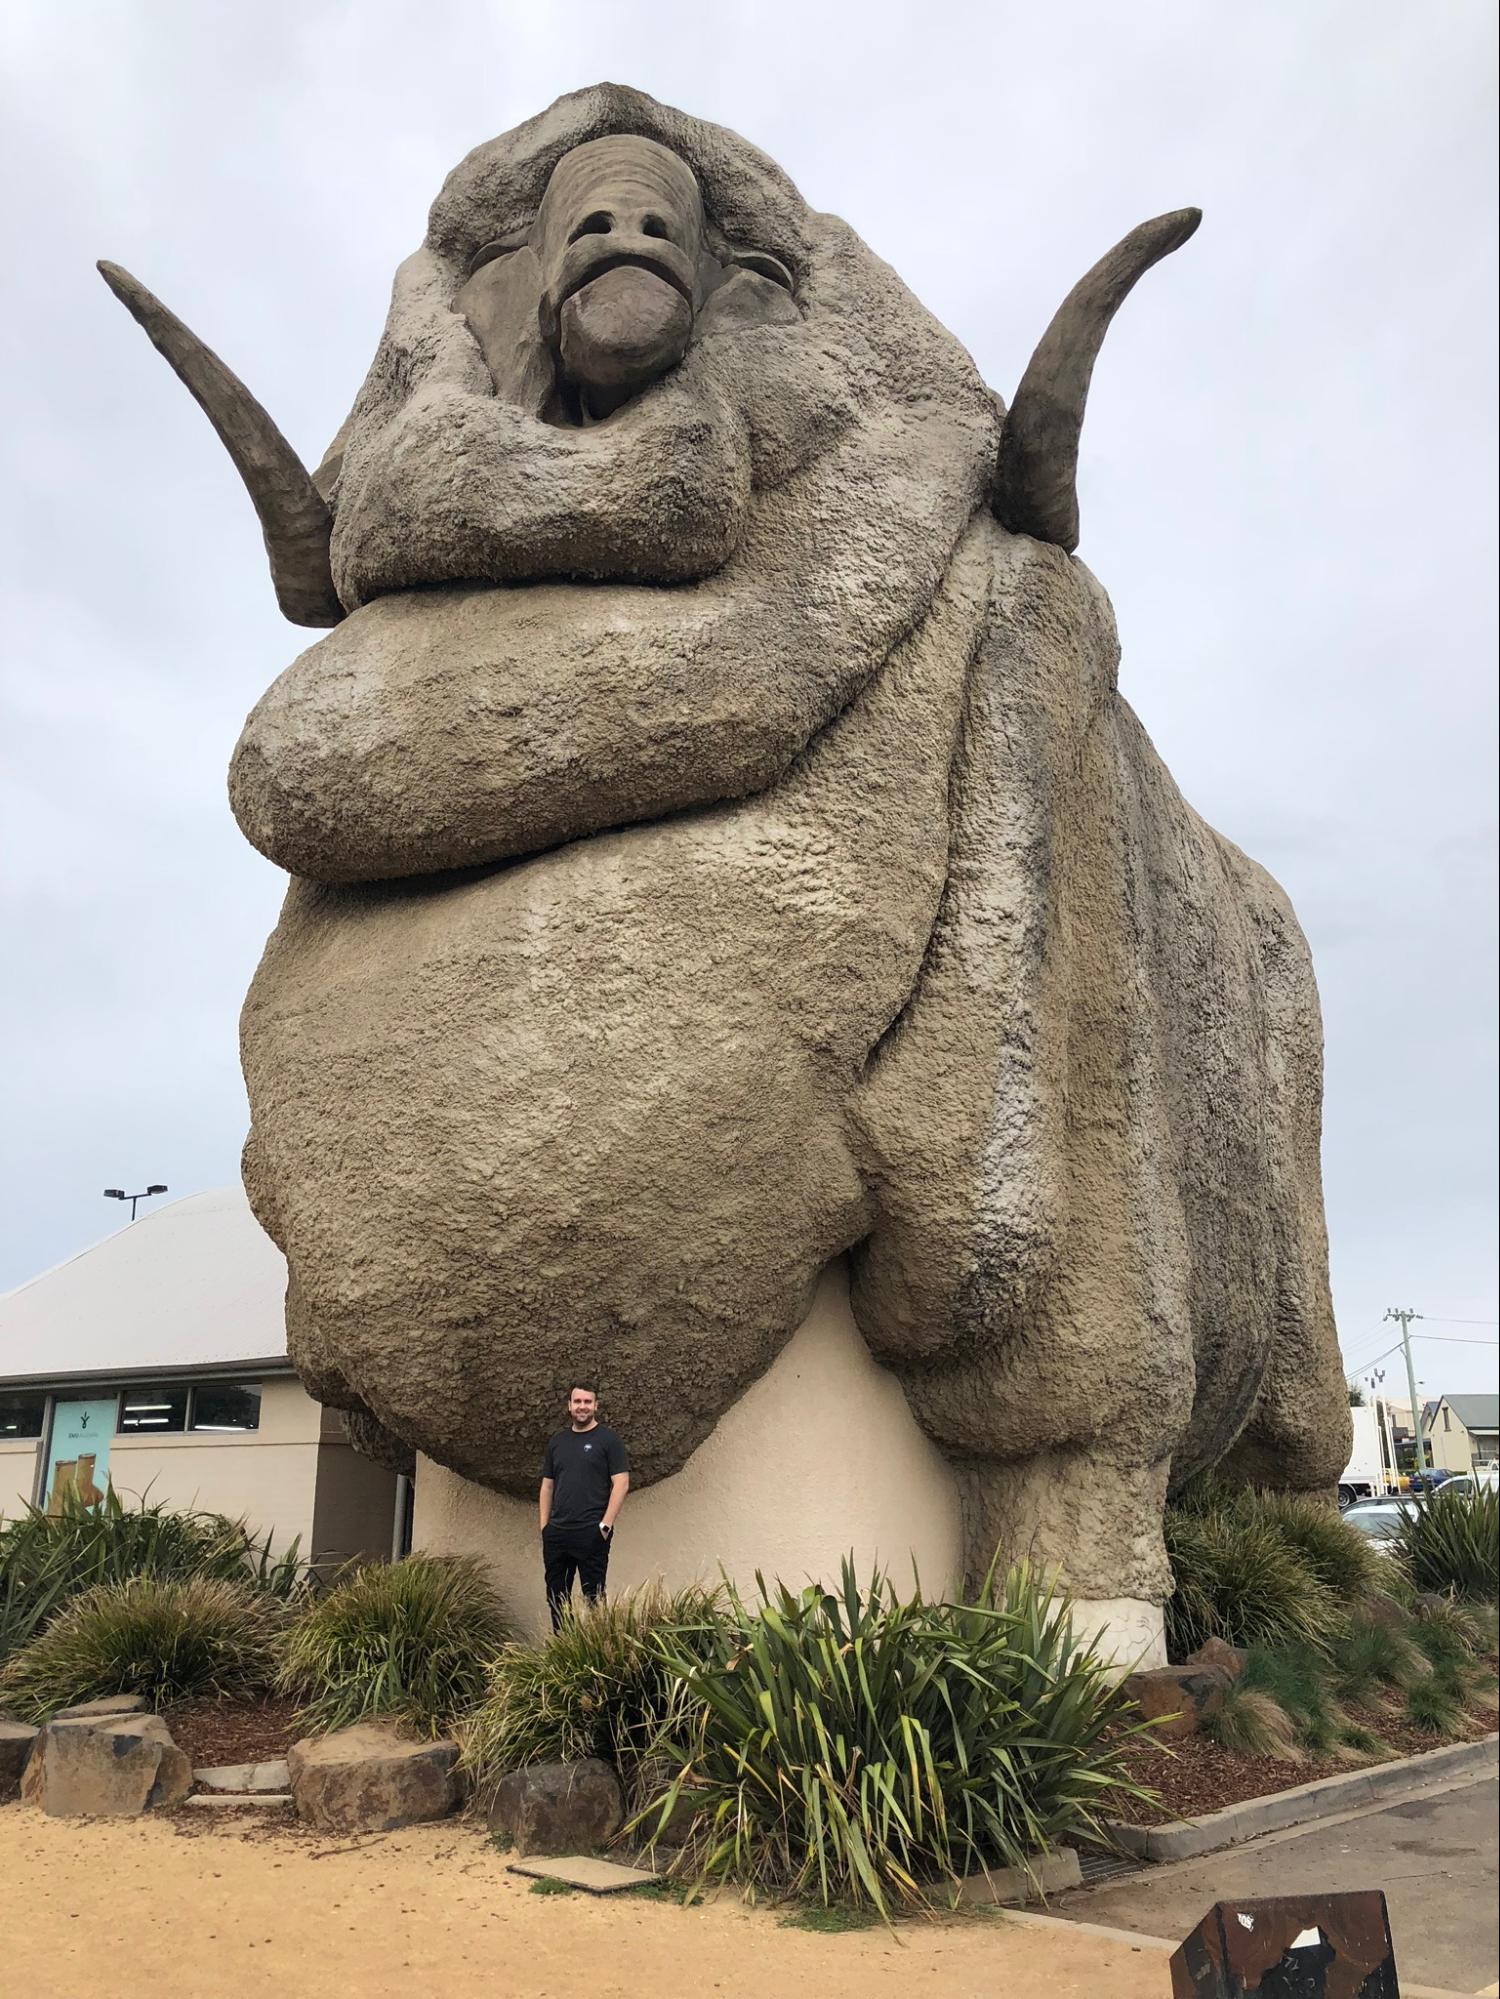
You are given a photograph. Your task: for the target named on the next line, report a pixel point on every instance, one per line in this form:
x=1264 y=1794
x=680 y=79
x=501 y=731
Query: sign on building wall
x=78 y=1458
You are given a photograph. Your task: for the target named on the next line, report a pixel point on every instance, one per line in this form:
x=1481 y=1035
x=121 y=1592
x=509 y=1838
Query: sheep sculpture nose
x=620 y=234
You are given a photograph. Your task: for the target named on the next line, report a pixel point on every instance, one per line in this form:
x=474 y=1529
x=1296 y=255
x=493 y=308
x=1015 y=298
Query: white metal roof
x=194 y=1284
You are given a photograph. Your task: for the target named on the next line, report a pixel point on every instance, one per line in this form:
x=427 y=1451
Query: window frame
x=27 y=1395
x=219 y=1429
x=152 y=1429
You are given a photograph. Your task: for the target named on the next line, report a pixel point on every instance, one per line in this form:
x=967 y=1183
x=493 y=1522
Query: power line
x=1443 y=1339
x=1462 y=1322
x=1363 y=1366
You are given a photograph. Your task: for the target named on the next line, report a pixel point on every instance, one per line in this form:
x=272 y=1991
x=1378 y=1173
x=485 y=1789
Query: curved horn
x=294 y=517
x=1036 y=487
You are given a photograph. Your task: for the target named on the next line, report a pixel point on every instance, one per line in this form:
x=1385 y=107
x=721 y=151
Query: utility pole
x=1403 y=1319
x=1391 y=1482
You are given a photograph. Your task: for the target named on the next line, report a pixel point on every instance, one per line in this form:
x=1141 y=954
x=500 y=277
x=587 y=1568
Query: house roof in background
x=192 y=1285
x=1476 y=1412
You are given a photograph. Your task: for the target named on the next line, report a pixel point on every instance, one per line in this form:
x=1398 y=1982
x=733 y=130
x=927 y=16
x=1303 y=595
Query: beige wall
x=1451 y=1449
x=17 y=1473
x=821 y=1455
x=267 y=1475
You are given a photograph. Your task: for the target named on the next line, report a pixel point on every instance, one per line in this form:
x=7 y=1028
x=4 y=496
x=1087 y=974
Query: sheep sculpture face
x=719 y=846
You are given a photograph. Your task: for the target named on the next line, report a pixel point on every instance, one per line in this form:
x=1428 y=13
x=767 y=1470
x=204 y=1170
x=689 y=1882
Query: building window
x=154 y=1411
x=226 y=1405
x=1447 y=1417
x=21 y=1416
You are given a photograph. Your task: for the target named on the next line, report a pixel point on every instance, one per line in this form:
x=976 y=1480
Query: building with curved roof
x=156 y=1361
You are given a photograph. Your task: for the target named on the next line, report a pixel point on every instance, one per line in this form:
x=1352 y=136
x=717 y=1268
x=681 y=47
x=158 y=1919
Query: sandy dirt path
x=141 y=1910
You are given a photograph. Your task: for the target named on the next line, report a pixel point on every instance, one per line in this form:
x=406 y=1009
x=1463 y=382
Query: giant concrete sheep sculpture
x=718 y=845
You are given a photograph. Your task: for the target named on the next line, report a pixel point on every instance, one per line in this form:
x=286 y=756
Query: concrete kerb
x=1325 y=1798
x=1164 y=1946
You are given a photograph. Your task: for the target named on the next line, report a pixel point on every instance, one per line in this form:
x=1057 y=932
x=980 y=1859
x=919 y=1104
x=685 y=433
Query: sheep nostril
x=652 y=225
x=599 y=223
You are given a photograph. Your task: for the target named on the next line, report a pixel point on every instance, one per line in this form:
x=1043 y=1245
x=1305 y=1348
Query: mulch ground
x=1196 y=1776
x=217 y=1732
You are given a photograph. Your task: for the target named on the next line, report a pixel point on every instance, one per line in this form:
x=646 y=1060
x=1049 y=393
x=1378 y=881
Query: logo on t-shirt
x=588 y=1447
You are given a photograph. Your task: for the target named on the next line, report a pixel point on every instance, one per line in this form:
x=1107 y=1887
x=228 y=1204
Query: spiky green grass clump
x=1451 y=1543
x=47 y=1559
x=594 y=1688
x=1238 y=1577
x=410 y=1641
x=1338 y=1558
x=1433 y=1706
x=163 y=1638
x=1252 y=1722
x=859 y=1749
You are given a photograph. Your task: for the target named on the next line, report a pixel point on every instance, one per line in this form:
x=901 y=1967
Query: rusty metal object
x=1290 y=1947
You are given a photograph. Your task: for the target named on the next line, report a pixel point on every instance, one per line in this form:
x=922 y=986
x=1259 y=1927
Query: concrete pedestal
x=820 y=1457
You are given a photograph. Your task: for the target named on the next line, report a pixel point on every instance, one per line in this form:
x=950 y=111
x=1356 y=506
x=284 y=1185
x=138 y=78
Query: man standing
x=585 y=1477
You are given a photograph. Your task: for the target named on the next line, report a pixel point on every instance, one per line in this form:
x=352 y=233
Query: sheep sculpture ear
x=294 y=516
x=1036 y=483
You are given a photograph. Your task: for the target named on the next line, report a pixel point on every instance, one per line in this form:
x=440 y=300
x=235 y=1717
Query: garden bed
x=1199 y=1775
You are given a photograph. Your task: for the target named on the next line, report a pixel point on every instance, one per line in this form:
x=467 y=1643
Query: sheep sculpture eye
x=764 y=265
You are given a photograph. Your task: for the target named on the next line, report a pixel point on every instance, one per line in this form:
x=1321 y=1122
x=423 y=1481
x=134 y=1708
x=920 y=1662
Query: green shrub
x=407 y=1640
x=854 y=1748
x=160 y=1637
x=597 y=1687
x=1451 y=1543
x=1434 y=1706
x=46 y=1559
x=1452 y=1632
x=1340 y=1558
x=1369 y=1656
x=1238 y=1576
x=1299 y=1678
x=1252 y=1723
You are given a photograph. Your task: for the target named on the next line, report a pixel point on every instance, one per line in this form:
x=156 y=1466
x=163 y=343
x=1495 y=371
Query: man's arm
x=619 y=1485
x=545 y=1502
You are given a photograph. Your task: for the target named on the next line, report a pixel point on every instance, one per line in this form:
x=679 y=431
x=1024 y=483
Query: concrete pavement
x=1433 y=1852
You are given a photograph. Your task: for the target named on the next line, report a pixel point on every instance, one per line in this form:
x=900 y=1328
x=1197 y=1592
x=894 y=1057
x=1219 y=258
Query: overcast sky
x=1287 y=485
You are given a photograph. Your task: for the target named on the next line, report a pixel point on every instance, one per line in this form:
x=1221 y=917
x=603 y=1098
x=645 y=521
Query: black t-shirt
x=580 y=1464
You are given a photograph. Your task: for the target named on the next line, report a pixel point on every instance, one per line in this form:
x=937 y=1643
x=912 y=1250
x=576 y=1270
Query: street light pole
x=119 y=1194
x=1403 y=1319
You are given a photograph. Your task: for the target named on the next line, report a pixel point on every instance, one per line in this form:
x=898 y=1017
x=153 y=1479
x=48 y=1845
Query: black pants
x=568 y=1552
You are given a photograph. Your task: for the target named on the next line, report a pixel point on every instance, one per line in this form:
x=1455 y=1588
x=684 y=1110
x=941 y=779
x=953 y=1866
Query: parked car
x=1431 y=1479
x=1379 y=1519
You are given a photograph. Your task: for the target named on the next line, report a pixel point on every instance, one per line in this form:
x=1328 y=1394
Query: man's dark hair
x=588 y=1387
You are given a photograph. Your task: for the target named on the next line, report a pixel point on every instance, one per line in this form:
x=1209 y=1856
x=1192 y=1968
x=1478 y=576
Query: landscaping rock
x=558 y=1807
x=16 y=1741
x=371 y=1778
x=112 y=1766
x=1218 y=1652
x=1178 y=1698
x=654 y=1778
x=241 y=1777
x=107 y=1704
